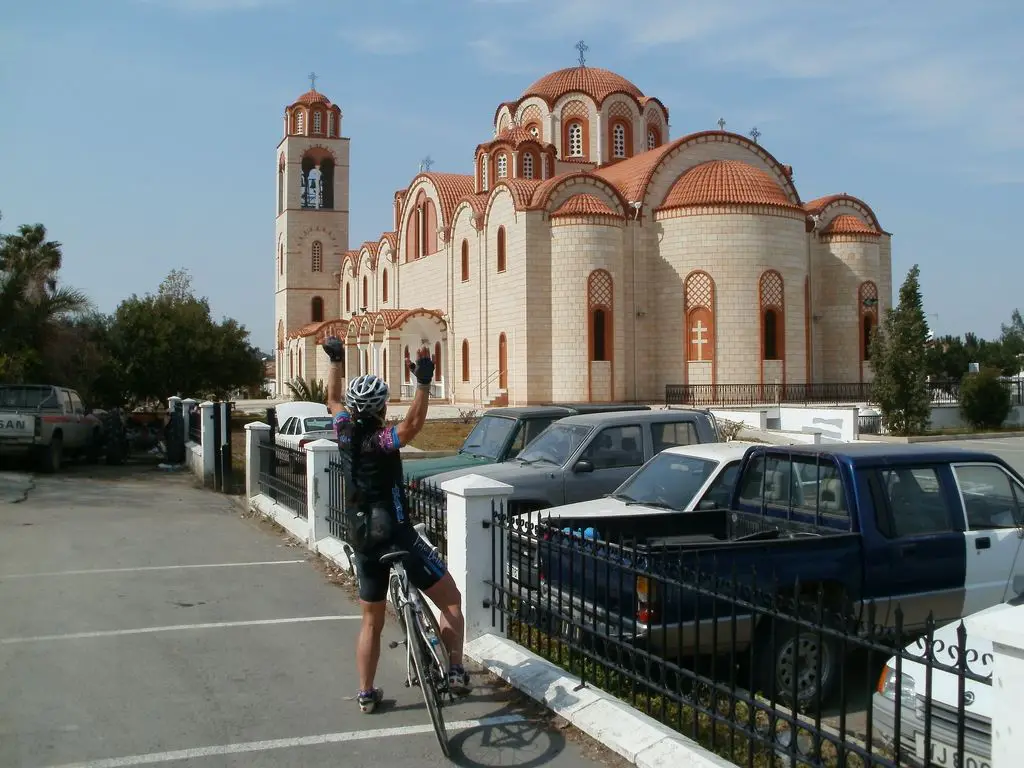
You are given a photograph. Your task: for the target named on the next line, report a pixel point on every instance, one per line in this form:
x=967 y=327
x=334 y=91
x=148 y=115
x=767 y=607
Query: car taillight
x=304 y=441
x=645 y=598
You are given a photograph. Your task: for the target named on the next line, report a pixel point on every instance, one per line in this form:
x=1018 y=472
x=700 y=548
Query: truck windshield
x=667 y=480
x=26 y=397
x=488 y=437
x=555 y=444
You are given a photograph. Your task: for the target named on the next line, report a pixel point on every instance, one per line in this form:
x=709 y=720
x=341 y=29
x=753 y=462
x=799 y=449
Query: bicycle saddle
x=392 y=557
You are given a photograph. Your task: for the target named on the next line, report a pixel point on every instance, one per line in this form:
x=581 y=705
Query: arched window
x=300 y=122
x=280 y=334
x=502 y=362
x=465 y=359
x=501 y=249
x=502 y=166
x=366 y=294
x=384 y=364
x=772 y=316
x=868 y=301
x=406 y=366
x=348 y=297
x=600 y=305
x=318 y=255
x=527 y=165
x=437 y=361
x=330 y=124
x=384 y=287
x=465 y=260
x=483 y=173
x=653 y=138
x=618 y=140
x=316 y=310
x=280 y=186
x=280 y=260
x=317 y=122
x=700 y=317
x=575 y=139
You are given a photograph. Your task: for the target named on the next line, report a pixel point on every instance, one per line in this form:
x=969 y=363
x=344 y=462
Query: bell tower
x=311 y=233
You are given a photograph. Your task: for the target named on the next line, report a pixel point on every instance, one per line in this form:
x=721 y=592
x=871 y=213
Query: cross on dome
x=313 y=77
x=582 y=47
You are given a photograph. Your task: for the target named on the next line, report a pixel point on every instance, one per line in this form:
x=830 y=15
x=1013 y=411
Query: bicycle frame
x=407 y=593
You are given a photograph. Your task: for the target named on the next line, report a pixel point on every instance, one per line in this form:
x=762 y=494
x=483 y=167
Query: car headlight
x=888 y=685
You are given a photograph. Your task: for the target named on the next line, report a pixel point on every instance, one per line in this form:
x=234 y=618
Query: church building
x=586 y=256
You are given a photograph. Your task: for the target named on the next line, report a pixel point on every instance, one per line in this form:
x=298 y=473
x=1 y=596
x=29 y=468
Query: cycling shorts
x=424 y=567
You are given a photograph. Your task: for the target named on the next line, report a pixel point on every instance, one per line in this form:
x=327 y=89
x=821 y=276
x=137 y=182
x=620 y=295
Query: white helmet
x=366 y=394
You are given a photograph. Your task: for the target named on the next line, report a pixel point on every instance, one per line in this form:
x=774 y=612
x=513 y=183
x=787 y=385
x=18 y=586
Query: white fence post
x=472 y=501
x=256 y=434
x=318 y=483
x=1006 y=631
x=209 y=450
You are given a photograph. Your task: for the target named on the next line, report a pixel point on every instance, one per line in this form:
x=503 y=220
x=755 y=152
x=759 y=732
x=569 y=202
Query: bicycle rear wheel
x=427 y=672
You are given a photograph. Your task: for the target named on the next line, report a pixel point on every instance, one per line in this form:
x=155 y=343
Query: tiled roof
x=313 y=97
x=391 y=238
x=522 y=191
x=478 y=202
x=632 y=175
x=451 y=187
x=584 y=205
x=819 y=204
x=727 y=182
x=847 y=224
x=513 y=135
x=307 y=330
x=592 y=81
x=372 y=246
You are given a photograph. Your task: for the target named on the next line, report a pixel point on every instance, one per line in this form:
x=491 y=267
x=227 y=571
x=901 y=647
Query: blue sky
x=142 y=132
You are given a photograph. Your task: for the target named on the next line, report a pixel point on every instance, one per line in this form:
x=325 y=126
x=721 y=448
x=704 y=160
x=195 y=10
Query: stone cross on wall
x=698 y=339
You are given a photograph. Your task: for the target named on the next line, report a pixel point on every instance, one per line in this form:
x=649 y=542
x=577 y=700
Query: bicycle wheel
x=425 y=671
x=437 y=650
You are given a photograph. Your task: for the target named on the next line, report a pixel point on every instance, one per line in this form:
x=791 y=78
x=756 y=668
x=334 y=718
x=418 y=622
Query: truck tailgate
x=18 y=427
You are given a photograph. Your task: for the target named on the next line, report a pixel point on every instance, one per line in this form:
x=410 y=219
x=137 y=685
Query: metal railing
x=761 y=672
x=283 y=476
x=337 y=526
x=195 y=426
x=942 y=393
x=427 y=504
x=478 y=390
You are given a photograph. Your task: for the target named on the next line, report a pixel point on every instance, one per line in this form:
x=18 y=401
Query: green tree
x=985 y=399
x=1012 y=339
x=899 y=357
x=168 y=343
x=308 y=391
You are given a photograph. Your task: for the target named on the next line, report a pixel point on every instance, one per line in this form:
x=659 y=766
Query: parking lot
x=145 y=621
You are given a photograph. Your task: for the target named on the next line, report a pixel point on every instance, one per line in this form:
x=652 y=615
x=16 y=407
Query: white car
x=682 y=478
x=946 y=711
x=301 y=422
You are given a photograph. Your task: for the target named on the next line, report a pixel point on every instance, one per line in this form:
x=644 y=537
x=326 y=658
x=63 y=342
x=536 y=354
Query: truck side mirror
x=583 y=465
x=707 y=504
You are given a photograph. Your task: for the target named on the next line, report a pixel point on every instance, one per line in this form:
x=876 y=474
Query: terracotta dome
x=584 y=205
x=309 y=98
x=725 y=182
x=592 y=81
x=846 y=224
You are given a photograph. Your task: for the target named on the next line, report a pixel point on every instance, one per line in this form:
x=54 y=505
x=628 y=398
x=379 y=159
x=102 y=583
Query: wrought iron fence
x=195 y=426
x=760 y=672
x=427 y=504
x=283 y=476
x=942 y=392
x=869 y=425
x=336 y=523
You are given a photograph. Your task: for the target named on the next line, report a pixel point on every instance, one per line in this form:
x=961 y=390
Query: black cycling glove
x=334 y=349
x=423 y=370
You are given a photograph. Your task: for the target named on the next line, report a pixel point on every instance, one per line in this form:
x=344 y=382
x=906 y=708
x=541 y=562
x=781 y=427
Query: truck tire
x=812 y=657
x=54 y=454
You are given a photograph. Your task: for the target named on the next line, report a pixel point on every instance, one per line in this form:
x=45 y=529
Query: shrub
x=984 y=399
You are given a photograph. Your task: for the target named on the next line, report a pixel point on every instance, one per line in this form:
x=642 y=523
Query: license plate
x=944 y=755
x=515 y=573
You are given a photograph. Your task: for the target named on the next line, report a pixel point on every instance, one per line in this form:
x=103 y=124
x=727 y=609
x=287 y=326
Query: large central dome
x=592 y=81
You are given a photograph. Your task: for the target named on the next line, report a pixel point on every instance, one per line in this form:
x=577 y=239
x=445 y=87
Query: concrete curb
x=640 y=739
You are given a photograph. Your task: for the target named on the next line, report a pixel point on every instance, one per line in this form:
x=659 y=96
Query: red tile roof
x=819 y=204
x=522 y=191
x=847 y=224
x=592 y=81
x=451 y=188
x=584 y=205
x=313 y=97
x=725 y=182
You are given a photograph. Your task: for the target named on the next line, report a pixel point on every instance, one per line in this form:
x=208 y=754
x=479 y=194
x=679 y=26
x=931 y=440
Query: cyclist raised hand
x=376 y=509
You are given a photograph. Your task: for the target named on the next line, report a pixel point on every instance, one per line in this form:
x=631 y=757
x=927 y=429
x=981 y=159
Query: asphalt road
x=144 y=621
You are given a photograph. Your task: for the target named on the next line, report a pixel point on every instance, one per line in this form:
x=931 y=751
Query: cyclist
x=376 y=507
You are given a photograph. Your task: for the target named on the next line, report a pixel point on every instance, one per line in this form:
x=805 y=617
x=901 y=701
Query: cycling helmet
x=366 y=394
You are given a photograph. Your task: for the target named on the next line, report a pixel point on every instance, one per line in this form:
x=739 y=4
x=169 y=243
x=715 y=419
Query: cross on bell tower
x=313 y=77
x=582 y=47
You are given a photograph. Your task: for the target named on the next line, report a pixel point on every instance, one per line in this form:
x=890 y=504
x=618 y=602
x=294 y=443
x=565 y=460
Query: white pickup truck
x=46 y=423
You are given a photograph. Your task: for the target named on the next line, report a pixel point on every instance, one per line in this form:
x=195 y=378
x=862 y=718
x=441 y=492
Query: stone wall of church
x=735 y=246
x=540 y=358
x=578 y=247
x=465 y=313
x=423 y=283
x=842 y=264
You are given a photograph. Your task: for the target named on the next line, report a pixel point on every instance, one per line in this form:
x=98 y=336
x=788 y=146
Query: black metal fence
x=942 y=392
x=283 y=476
x=195 y=426
x=336 y=523
x=869 y=425
x=428 y=505
x=760 y=672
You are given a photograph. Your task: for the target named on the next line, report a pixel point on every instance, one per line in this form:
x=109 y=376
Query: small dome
x=592 y=81
x=309 y=98
x=584 y=205
x=847 y=224
x=725 y=182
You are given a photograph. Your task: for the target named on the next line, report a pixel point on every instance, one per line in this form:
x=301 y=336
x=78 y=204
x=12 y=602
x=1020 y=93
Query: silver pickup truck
x=46 y=423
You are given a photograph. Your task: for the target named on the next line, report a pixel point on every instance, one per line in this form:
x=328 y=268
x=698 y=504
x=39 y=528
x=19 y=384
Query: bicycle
x=426 y=658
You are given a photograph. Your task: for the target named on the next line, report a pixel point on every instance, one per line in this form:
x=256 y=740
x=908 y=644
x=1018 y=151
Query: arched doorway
x=502 y=362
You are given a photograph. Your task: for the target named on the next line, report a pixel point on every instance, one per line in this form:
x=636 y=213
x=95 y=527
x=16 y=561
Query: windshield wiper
x=655 y=504
x=621 y=497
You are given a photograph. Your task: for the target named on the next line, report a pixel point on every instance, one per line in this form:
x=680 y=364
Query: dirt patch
x=443 y=434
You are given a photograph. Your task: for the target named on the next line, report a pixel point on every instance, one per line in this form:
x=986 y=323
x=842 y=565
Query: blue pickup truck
x=873 y=527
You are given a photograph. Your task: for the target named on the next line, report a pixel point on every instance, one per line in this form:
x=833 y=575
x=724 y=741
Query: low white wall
x=755 y=418
x=833 y=424
x=194 y=459
x=950 y=417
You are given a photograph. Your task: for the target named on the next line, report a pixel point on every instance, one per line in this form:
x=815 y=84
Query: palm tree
x=308 y=391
